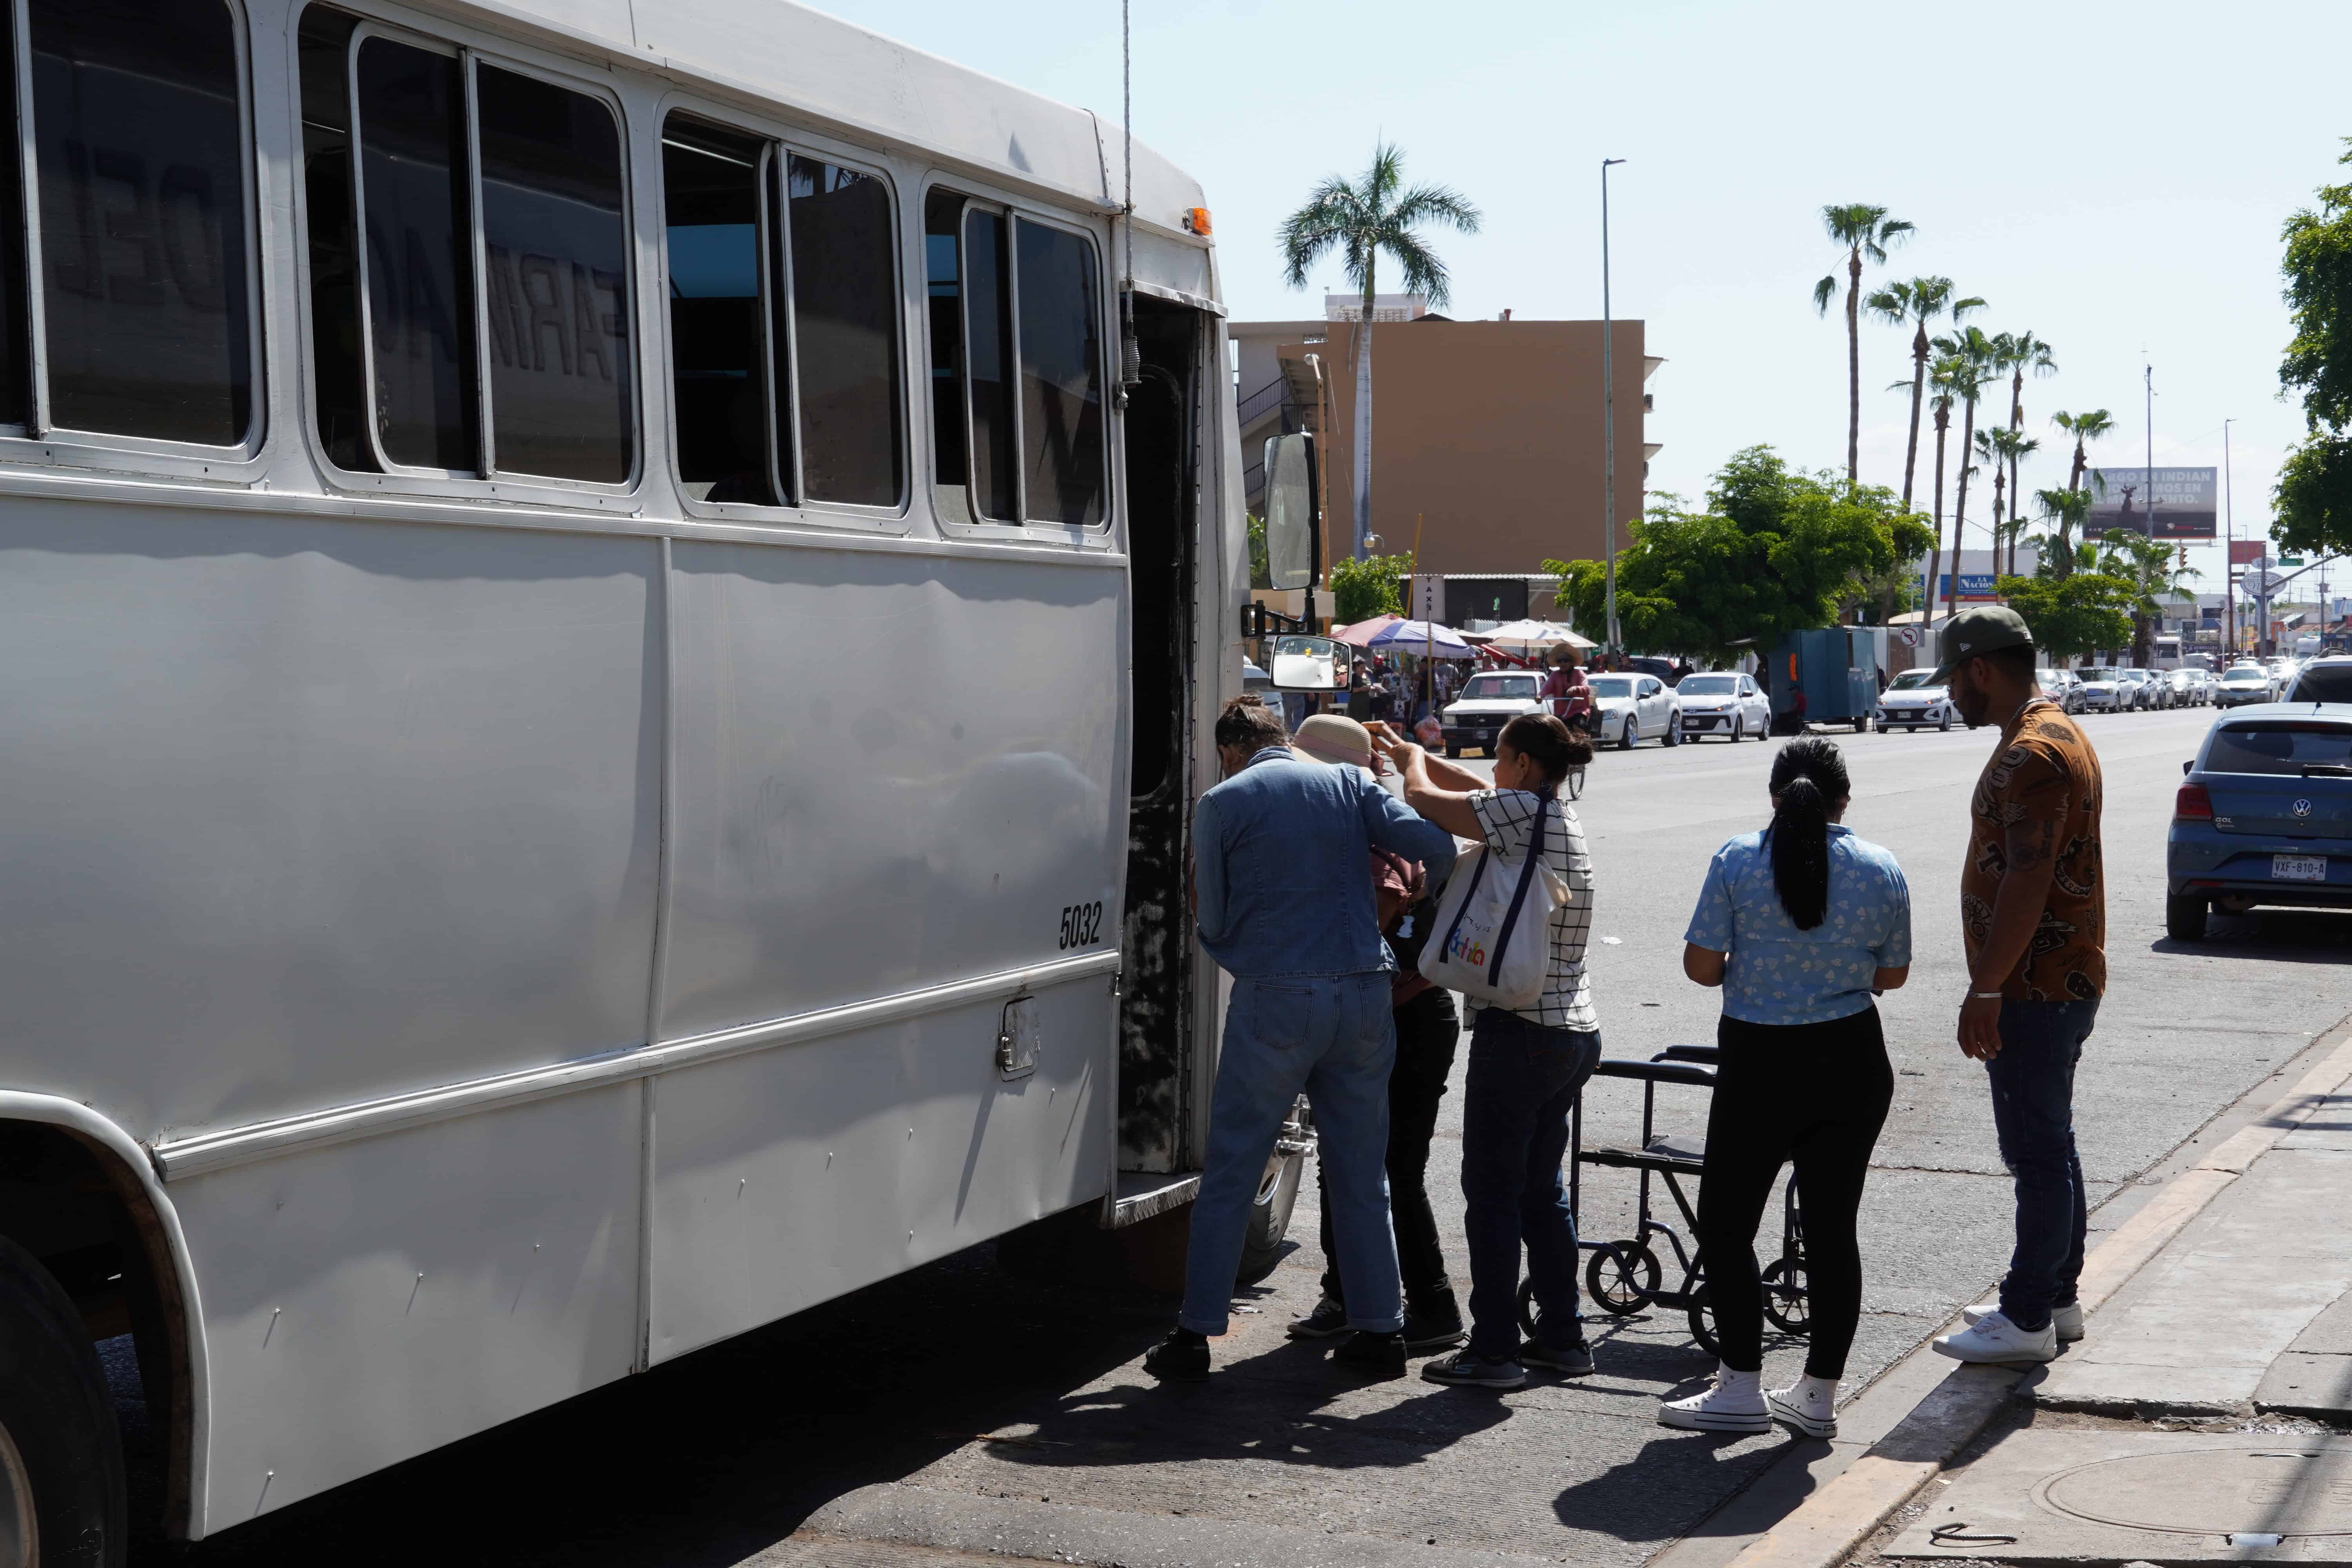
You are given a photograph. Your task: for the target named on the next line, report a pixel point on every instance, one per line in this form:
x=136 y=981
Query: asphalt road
x=970 y=1395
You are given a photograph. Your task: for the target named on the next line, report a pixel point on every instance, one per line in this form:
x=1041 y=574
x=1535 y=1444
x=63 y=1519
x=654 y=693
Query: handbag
x=1496 y=949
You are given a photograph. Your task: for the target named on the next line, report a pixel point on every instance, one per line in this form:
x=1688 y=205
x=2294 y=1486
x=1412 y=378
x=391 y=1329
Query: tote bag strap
x=1468 y=891
x=1519 y=894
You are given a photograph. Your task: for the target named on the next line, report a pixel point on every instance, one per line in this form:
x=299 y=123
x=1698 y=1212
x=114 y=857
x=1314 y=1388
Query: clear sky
x=2110 y=176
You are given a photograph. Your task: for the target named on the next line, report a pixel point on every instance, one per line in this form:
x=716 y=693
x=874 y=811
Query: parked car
x=1915 y=697
x=1725 y=703
x=2244 y=683
x=2142 y=688
x=1649 y=664
x=2105 y=690
x=2180 y=687
x=1633 y=707
x=2327 y=678
x=2062 y=687
x=1488 y=702
x=2264 y=817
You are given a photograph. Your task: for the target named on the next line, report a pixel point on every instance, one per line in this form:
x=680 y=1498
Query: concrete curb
x=1018 y=1528
x=1844 y=1511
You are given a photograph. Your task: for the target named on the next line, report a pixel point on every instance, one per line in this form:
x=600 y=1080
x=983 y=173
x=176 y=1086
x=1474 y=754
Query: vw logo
x=2303 y=808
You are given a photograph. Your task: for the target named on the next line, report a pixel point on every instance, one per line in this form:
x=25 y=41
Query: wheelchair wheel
x=1623 y=1278
x=1786 y=1300
x=1702 y=1323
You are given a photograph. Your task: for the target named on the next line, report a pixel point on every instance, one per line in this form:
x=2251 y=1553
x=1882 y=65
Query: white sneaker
x=1808 y=1407
x=2067 y=1319
x=1727 y=1406
x=1995 y=1339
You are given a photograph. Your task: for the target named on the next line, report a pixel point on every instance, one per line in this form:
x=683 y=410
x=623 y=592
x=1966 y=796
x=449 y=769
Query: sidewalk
x=2207 y=1416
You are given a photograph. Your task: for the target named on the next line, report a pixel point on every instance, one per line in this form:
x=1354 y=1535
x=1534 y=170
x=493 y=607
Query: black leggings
x=1815 y=1094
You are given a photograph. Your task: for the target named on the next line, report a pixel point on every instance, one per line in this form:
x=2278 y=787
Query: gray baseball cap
x=1988 y=628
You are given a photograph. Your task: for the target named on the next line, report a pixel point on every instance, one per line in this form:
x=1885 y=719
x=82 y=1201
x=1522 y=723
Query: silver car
x=2105 y=690
x=2244 y=683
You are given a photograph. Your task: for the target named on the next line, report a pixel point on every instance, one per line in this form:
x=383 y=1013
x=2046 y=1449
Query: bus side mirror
x=1307 y=664
x=1293 y=513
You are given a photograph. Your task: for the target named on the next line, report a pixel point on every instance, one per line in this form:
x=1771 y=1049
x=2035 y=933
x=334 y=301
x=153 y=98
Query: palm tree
x=2019 y=352
x=2013 y=447
x=1969 y=354
x=1943 y=378
x=2154 y=571
x=2083 y=427
x=1918 y=302
x=1863 y=230
x=1360 y=219
x=2070 y=509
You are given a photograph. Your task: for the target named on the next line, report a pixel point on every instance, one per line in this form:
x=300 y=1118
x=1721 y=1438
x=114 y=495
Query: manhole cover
x=2286 y=1491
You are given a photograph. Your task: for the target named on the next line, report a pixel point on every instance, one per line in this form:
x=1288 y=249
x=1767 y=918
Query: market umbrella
x=1426 y=639
x=1531 y=634
x=1360 y=635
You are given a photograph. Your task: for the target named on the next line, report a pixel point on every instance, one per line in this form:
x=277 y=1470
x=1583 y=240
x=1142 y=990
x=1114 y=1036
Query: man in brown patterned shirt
x=2033 y=923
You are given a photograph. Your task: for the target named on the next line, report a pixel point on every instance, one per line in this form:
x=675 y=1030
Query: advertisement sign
x=1976 y=587
x=2246 y=552
x=2184 y=503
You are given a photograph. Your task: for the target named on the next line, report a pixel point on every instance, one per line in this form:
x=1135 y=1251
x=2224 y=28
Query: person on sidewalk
x=1526 y=1067
x=1801 y=924
x=2033 y=919
x=1282 y=905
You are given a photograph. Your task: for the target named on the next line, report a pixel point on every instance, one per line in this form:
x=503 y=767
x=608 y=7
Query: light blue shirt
x=1779 y=974
x=1279 y=857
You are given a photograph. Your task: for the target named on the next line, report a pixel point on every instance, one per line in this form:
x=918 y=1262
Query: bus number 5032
x=1081 y=924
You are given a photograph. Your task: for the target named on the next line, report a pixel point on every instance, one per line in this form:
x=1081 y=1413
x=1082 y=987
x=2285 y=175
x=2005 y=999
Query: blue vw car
x=2265 y=815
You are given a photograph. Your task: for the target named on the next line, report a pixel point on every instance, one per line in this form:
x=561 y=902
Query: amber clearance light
x=1197 y=220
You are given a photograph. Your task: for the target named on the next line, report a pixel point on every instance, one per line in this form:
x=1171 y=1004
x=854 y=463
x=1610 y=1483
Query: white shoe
x=1995 y=1339
x=1730 y=1406
x=2067 y=1319
x=1808 y=1406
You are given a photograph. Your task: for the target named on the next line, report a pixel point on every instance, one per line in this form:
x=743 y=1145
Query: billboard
x=2185 y=502
x=1976 y=587
x=2247 y=551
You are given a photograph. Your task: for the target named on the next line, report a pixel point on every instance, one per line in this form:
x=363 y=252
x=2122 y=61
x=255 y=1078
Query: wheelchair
x=1627 y=1276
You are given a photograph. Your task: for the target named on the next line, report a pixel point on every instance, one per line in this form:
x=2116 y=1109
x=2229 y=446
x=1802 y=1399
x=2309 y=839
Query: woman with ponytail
x=1801 y=924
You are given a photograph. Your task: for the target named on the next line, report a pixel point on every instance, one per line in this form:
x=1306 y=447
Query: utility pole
x=2149 y=500
x=1608 y=418
x=2230 y=546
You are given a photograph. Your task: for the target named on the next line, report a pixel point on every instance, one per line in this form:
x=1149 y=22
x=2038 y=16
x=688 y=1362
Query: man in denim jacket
x=1284 y=906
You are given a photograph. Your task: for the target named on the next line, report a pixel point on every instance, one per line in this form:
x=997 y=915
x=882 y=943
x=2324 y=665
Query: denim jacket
x=1278 y=853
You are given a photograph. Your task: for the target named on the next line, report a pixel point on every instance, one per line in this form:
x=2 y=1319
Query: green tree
x=1863 y=230
x=2018 y=353
x=1943 y=378
x=2151 y=569
x=1970 y=353
x=2084 y=428
x=2002 y=448
x=1261 y=570
x=2068 y=510
x=1367 y=586
x=1916 y=304
x=1775 y=550
x=2073 y=614
x=2311 y=506
x=1360 y=219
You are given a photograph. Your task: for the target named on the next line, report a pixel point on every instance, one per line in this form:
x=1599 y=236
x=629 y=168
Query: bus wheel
x=1270 y=1220
x=61 y=1484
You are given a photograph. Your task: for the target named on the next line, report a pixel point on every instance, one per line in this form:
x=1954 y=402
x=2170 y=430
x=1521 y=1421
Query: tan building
x=1488 y=434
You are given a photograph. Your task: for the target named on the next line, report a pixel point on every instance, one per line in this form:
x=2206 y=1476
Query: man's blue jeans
x=2034 y=1116
x=1524 y=1080
x=1332 y=1037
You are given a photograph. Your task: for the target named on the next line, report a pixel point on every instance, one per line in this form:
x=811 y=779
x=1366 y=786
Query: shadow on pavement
x=2293 y=936
x=1672 y=1482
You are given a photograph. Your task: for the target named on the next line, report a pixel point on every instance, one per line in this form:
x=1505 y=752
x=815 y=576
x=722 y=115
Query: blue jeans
x=2033 y=1117
x=1524 y=1080
x=1332 y=1037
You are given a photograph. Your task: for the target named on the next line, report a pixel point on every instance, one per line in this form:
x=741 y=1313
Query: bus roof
x=869 y=88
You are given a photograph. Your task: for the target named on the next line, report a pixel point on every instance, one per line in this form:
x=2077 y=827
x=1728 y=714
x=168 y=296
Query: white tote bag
x=1493 y=930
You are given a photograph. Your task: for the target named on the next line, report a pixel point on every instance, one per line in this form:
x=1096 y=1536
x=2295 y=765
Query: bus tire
x=1269 y=1219
x=62 y=1474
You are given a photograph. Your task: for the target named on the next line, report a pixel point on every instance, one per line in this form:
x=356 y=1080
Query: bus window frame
x=471 y=48
x=40 y=442
x=1105 y=535
x=780 y=141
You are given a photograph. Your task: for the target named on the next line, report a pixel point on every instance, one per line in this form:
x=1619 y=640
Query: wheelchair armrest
x=1656 y=1072
x=1690 y=1053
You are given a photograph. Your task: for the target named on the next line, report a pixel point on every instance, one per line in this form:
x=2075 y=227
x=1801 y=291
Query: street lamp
x=1607 y=418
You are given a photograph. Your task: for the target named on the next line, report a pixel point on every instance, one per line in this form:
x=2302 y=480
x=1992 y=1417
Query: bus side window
x=420 y=304
x=845 y=312
x=943 y=284
x=719 y=367
x=1061 y=377
x=145 y=282
x=988 y=366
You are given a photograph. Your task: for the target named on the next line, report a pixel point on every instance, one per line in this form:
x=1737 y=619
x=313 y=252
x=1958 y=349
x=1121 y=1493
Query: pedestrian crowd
x=1348 y=913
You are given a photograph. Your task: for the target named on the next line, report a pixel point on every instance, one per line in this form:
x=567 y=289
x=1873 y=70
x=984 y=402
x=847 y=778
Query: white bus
x=600 y=697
